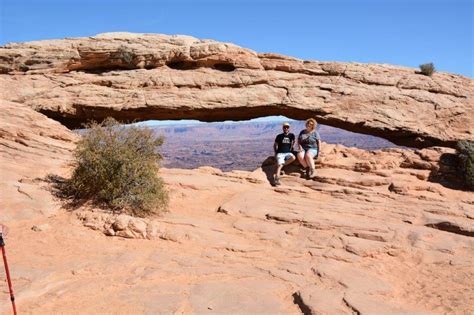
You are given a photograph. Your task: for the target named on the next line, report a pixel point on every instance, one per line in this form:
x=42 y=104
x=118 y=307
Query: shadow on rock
x=447 y=174
x=61 y=188
x=269 y=165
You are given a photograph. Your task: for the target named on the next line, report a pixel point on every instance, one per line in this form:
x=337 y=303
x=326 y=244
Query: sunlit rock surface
x=382 y=232
x=147 y=76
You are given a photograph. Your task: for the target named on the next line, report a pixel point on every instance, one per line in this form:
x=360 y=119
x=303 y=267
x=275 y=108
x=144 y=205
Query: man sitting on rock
x=283 y=146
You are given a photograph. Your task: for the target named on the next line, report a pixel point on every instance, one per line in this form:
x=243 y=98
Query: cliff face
x=144 y=76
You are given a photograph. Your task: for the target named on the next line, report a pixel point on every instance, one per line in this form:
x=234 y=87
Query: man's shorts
x=283 y=157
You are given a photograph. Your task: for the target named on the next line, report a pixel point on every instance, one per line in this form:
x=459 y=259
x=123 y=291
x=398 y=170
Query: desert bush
x=465 y=152
x=427 y=69
x=117 y=166
x=125 y=54
x=23 y=67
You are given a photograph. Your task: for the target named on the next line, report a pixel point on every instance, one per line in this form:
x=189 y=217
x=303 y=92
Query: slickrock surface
x=383 y=232
x=31 y=147
x=145 y=76
x=369 y=235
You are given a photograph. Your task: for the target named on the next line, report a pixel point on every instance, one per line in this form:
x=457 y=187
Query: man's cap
x=286 y=124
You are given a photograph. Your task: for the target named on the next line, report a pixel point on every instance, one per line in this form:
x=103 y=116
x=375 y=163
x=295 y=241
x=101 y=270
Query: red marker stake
x=7 y=272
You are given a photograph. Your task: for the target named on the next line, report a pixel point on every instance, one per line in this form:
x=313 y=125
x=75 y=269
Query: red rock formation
x=375 y=232
x=31 y=147
x=144 y=76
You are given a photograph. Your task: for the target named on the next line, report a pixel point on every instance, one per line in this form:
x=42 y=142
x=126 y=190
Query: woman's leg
x=309 y=158
x=301 y=159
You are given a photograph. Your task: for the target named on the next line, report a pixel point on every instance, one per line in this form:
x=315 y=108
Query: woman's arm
x=300 y=148
x=318 y=141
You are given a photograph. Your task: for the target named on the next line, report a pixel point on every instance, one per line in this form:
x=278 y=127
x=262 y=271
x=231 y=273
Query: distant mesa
x=150 y=76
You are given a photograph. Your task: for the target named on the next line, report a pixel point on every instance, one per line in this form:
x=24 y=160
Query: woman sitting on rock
x=309 y=144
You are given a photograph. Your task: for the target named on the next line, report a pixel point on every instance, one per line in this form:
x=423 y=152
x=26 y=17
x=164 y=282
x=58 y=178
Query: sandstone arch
x=145 y=76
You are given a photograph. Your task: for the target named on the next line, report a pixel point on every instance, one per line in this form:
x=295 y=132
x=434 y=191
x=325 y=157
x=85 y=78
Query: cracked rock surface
x=375 y=232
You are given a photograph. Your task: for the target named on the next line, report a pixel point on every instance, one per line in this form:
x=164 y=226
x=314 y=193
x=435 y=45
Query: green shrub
x=465 y=151
x=117 y=166
x=427 y=69
x=23 y=67
x=125 y=54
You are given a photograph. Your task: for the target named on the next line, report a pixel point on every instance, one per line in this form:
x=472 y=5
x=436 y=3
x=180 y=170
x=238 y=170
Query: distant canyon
x=242 y=145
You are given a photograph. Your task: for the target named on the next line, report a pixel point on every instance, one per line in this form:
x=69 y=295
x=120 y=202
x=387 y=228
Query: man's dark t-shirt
x=284 y=142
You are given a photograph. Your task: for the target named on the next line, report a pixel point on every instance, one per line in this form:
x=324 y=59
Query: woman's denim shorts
x=313 y=151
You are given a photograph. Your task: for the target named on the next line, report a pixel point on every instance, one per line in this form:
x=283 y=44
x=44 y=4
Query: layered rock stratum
x=376 y=232
x=147 y=76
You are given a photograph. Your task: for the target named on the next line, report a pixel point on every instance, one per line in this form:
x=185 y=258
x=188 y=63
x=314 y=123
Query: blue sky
x=403 y=32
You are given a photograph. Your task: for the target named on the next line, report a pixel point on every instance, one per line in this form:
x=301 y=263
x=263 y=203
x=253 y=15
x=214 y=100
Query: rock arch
x=147 y=76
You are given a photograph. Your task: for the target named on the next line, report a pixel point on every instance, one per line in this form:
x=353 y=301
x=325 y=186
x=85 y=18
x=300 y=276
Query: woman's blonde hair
x=311 y=120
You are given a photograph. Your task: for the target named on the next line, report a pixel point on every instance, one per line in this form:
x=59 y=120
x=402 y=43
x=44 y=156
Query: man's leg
x=276 y=176
x=287 y=159
x=290 y=160
x=280 y=162
x=278 y=169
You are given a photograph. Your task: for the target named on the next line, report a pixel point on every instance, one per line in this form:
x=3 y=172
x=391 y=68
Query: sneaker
x=306 y=172
x=312 y=174
x=277 y=181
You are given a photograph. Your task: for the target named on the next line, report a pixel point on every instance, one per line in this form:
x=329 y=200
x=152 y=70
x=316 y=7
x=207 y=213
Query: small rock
x=411 y=162
x=169 y=237
x=109 y=232
x=398 y=189
x=41 y=227
x=125 y=233
x=363 y=167
x=422 y=176
x=121 y=223
x=137 y=225
x=222 y=210
x=153 y=230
